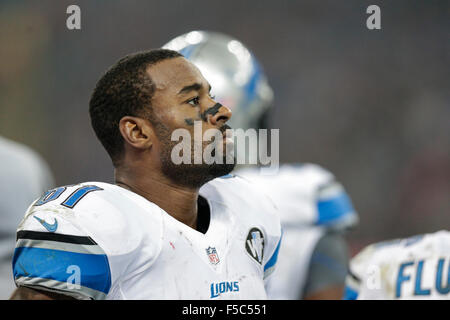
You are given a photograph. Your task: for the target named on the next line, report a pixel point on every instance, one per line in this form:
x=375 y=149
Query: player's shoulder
x=20 y=153
x=417 y=242
x=389 y=251
x=387 y=256
x=309 y=178
x=372 y=254
x=16 y=149
x=231 y=186
x=416 y=246
x=103 y=212
x=239 y=193
x=307 y=174
x=307 y=194
x=312 y=172
x=255 y=212
x=439 y=237
x=27 y=163
x=367 y=262
x=333 y=206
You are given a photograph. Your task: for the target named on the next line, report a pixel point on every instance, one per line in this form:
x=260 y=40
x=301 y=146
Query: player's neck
x=178 y=201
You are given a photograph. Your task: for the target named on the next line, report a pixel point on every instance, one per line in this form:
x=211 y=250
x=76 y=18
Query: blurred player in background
x=403 y=269
x=24 y=177
x=315 y=209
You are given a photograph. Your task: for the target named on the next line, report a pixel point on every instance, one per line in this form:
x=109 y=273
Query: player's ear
x=137 y=132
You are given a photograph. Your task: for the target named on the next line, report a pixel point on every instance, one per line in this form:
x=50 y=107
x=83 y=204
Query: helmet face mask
x=235 y=75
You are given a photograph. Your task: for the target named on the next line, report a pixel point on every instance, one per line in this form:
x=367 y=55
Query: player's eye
x=194 y=101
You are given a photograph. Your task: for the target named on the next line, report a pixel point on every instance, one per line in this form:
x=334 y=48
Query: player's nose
x=222 y=115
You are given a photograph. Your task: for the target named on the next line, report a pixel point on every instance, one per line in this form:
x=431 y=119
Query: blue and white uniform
x=311 y=203
x=402 y=269
x=100 y=241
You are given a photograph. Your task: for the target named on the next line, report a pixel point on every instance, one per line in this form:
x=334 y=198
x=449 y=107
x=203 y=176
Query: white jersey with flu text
x=404 y=269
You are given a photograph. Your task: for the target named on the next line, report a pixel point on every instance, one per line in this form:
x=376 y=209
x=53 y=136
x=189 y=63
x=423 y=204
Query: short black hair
x=126 y=89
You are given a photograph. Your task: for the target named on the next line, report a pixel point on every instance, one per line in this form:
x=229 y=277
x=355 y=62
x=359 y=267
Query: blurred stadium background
x=371 y=106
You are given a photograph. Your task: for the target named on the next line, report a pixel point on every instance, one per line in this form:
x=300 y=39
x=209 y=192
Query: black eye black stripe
x=212 y=111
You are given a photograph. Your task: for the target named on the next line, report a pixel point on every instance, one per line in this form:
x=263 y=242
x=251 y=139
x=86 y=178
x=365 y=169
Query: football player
x=25 y=176
x=314 y=208
x=163 y=230
x=402 y=269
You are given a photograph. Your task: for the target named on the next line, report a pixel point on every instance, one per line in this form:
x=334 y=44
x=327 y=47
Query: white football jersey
x=310 y=202
x=101 y=241
x=404 y=269
x=24 y=176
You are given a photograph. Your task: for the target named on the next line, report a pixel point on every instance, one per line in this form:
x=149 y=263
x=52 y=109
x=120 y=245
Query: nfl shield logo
x=212 y=255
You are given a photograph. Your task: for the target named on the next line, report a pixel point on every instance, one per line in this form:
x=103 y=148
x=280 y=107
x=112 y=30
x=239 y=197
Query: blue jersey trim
x=187 y=51
x=228 y=176
x=350 y=294
x=250 y=88
x=334 y=209
x=53 y=264
x=273 y=260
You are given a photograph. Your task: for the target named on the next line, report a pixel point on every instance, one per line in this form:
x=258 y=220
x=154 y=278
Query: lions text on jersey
x=310 y=202
x=101 y=241
x=412 y=268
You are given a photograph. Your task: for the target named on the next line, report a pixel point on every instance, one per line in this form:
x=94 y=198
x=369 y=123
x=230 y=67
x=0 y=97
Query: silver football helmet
x=234 y=73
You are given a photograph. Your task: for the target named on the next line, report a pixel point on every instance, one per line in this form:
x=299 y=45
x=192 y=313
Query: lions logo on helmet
x=237 y=78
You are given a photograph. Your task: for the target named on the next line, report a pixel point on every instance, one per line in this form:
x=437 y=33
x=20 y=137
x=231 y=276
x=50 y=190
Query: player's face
x=182 y=100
